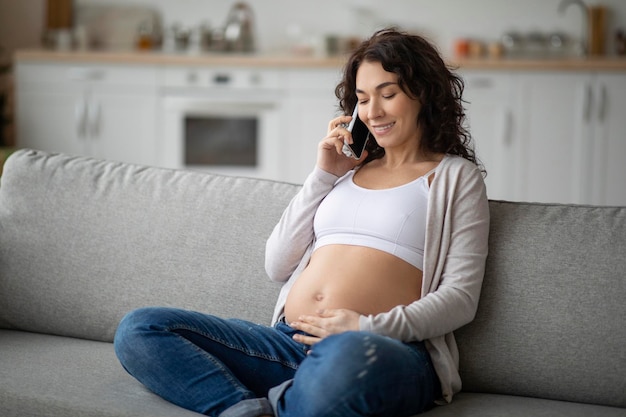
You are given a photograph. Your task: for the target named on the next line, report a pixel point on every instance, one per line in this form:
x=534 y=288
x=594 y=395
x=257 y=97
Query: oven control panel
x=222 y=77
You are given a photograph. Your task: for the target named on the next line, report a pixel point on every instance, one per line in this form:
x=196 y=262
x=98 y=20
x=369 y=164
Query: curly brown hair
x=422 y=74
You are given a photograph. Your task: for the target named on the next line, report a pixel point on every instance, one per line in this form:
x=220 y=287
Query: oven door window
x=221 y=141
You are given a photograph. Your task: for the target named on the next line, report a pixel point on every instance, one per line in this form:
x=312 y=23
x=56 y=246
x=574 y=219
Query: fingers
x=335 y=140
x=325 y=323
x=307 y=340
x=320 y=325
x=337 y=129
x=340 y=121
x=334 y=143
x=315 y=332
x=330 y=156
x=311 y=325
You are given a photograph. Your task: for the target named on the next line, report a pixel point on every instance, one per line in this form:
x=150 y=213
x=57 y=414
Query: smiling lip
x=383 y=128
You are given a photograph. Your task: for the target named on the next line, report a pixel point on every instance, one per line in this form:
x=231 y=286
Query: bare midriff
x=362 y=279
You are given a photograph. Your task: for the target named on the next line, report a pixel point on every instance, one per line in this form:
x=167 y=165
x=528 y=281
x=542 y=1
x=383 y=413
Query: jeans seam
x=172 y=329
x=233 y=381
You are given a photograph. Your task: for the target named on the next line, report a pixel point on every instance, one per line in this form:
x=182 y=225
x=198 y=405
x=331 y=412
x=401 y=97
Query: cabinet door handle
x=221 y=79
x=587 y=103
x=506 y=126
x=603 y=103
x=80 y=118
x=93 y=117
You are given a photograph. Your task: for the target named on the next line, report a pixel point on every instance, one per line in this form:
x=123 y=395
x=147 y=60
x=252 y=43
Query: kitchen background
x=280 y=22
x=505 y=97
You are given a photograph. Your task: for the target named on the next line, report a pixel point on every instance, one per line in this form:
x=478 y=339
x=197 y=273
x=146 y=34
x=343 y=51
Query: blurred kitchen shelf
x=295 y=61
x=185 y=59
x=544 y=64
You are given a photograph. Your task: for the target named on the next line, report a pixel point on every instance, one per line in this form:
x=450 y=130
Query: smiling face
x=390 y=114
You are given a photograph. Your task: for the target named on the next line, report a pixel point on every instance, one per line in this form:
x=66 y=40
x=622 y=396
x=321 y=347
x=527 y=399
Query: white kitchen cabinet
x=47 y=120
x=310 y=104
x=607 y=138
x=554 y=137
x=556 y=166
x=106 y=112
x=491 y=111
x=574 y=127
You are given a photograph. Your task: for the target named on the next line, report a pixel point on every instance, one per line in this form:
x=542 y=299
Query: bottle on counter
x=145 y=36
x=597 y=29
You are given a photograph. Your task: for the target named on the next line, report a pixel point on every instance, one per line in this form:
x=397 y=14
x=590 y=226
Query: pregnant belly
x=357 y=278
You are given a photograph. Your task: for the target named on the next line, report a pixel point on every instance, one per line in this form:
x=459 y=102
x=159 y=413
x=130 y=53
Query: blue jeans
x=234 y=368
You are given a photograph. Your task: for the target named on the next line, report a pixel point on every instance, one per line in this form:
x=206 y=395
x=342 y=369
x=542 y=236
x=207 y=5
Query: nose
x=375 y=109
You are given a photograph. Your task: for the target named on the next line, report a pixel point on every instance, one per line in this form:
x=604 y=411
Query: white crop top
x=392 y=220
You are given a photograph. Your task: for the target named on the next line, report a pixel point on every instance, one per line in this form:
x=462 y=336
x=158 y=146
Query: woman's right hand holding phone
x=330 y=156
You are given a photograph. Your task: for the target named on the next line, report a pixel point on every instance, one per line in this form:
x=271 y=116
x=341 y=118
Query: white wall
x=442 y=20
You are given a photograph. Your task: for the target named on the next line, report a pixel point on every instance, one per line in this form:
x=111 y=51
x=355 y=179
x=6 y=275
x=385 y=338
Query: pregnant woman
x=382 y=258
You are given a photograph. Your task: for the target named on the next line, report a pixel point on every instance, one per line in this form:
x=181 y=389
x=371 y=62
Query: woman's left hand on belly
x=325 y=323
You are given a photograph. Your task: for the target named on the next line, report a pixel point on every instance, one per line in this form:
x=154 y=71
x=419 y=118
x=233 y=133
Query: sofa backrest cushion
x=551 y=320
x=84 y=241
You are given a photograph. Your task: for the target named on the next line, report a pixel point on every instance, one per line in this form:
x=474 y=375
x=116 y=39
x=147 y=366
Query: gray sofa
x=83 y=241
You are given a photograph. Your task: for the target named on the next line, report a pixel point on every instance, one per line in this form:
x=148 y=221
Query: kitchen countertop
x=186 y=59
x=296 y=61
x=611 y=63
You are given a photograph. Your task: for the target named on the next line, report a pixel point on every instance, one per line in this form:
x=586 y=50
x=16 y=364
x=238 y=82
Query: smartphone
x=360 y=136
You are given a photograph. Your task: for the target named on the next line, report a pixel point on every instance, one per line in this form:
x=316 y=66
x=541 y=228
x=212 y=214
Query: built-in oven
x=222 y=120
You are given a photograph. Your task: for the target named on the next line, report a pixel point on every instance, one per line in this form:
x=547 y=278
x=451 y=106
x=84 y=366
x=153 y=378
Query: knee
x=356 y=356
x=346 y=345
x=345 y=354
x=133 y=322
x=340 y=370
x=133 y=330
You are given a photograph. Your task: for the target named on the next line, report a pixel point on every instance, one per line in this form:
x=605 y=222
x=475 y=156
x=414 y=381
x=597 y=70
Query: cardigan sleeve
x=454 y=262
x=293 y=234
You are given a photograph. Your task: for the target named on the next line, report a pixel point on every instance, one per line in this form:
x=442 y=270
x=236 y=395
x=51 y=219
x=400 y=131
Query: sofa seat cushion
x=43 y=375
x=494 y=405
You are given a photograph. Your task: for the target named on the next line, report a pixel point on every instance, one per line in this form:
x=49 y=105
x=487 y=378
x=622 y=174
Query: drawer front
x=60 y=76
